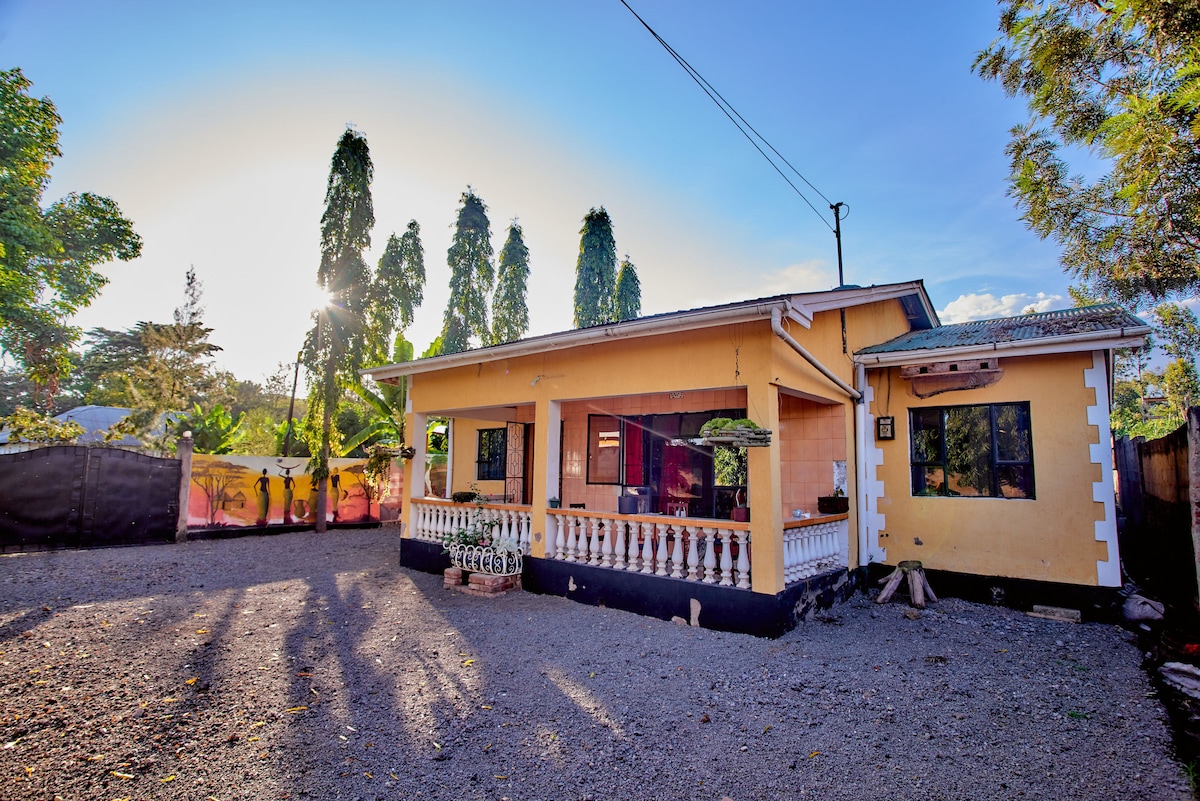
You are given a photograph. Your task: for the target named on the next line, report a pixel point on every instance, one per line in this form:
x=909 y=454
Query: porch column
x=414 y=471
x=766 y=511
x=546 y=461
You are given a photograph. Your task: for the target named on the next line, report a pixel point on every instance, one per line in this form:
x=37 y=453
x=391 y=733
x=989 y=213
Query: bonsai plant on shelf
x=742 y=432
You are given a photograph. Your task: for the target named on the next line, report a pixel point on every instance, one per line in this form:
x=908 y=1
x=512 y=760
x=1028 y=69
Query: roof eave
x=1069 y=343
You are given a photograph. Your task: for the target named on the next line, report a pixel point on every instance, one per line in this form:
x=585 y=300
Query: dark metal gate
x=76 y=497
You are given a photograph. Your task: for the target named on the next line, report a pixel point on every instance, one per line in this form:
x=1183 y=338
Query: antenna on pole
x=836 y=208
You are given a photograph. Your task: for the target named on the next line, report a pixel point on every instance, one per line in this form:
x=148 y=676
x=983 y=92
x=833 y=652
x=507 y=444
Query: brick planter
x=482 y=584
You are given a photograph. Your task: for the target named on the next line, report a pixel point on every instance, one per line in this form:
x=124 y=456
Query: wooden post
x=184 y=450
x=1193 y=431
x=918 y=585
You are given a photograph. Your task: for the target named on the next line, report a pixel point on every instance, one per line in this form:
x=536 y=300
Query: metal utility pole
x=836 y=208
x=287 y=437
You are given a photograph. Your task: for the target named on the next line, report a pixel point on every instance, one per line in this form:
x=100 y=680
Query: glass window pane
x=969 y=450
x=1012 y=433
x=928 y=481
x=927 y=435
x=1016 y=480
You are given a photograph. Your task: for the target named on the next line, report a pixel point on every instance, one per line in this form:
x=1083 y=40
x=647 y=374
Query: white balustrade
x=814 y=548
x=700 y=550
x=433 y=519
x=678 y=547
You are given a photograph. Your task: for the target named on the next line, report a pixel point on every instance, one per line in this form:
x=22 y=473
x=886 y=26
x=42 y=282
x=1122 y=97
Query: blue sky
x=212 y=125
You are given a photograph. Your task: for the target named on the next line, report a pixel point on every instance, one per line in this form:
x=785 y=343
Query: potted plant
x=740 y=511
x=554 y=503
x=834 y=504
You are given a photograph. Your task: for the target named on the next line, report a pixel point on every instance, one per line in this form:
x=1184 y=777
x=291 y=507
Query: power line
x=738 y=120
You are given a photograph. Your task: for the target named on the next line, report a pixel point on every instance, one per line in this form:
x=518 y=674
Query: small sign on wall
x=885 y=428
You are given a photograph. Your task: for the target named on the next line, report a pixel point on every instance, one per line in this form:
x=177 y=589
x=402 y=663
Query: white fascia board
x=1071 y=343
x=629 y=329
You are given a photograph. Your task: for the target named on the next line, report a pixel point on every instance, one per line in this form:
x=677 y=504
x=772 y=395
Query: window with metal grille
x=489 y=459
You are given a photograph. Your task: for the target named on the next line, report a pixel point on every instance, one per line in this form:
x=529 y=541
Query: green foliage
x=48 y=255
x=510 y=313
x=471 y=277
x=629 y=292
x=399 y=287
x=595 y=271
x=1181 y=386
x=26 y=425
x=1179 y=329
x=384 y=426
x=1117 y=82
x=731 y=466
x=436 y=348
x=214 y=431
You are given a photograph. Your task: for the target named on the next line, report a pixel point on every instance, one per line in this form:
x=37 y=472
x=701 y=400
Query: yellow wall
x=1050 y=538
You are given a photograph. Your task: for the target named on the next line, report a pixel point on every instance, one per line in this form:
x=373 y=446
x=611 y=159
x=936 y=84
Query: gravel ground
x=305 y=666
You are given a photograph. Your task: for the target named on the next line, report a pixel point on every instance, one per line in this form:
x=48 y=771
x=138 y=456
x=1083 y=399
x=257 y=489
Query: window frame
x=497 y=459
x=995 y=463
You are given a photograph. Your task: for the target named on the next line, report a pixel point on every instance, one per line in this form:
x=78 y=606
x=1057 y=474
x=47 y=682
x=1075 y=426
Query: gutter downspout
x=860 y=463
x=777 y=327
x=860 y=425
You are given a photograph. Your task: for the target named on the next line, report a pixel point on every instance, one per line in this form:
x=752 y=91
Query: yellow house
x=980 y=448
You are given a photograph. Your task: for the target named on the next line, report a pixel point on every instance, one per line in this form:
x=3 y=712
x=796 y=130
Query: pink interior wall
x=812 y=436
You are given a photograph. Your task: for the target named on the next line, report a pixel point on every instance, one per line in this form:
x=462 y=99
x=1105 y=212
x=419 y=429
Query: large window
x=489 y=459
x=972 y=451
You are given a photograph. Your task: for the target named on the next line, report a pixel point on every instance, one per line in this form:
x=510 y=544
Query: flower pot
x=740 y=514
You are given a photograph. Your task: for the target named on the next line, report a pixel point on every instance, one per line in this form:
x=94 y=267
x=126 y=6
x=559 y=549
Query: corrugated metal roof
x=1043 y=325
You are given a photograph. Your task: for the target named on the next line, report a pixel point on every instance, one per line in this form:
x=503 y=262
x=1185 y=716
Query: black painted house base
x=1096 y=604
x=721 y=608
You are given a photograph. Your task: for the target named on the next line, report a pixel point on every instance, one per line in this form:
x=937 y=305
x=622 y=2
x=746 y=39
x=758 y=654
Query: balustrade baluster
x=526 y=525
x=647 y=547
x=660 y=567
x=743 y=561
x=693 y=557
x=553 y=536
x=571 y=524
x=619 y=546
x=726 y=557
x=606 y=542
x=635 y=560
x=677 y=556
x=594 y=547
x=710 y=557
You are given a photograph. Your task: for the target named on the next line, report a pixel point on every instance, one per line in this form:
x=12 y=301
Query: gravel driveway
x=306 y=666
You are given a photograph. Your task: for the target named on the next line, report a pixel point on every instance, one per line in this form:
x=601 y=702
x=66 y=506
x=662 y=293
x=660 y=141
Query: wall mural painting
x=265 y=490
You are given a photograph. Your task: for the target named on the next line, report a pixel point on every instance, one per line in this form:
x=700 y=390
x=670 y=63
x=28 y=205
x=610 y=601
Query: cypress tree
x=471 y=277
x=629 y=292
x=595 y=271
x=510 y=313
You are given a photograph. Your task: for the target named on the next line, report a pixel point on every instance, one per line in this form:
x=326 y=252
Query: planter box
x=485 y=559
x=833 y=504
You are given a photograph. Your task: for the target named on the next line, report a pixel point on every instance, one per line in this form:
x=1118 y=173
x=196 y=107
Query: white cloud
x=987 y=306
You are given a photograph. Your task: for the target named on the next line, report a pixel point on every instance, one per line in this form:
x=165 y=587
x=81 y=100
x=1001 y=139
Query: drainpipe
x=860 y=423
x=860 y=463
x=777 y=327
